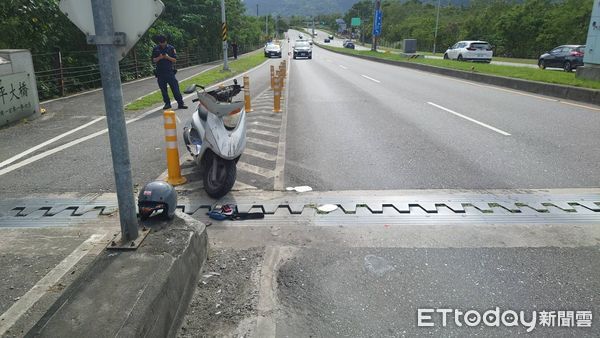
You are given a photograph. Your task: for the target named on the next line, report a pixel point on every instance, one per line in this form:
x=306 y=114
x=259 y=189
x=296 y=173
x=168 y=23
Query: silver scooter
x=216 y=136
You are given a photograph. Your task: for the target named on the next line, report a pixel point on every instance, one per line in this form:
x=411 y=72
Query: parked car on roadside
x=348 y=44
x=567 y=57
x=470 y=51
x=330 y=36
x=327 y=40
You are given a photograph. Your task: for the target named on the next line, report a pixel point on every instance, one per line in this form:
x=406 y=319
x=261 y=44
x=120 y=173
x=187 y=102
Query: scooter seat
x=220 y=108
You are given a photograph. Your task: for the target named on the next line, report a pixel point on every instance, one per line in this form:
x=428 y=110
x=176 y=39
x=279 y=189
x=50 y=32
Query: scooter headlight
x=232 y=119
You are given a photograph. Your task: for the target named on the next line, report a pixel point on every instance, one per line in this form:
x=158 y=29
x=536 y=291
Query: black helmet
x=157 y=195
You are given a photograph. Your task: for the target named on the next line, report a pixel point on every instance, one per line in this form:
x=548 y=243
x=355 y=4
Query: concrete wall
x=18 y=87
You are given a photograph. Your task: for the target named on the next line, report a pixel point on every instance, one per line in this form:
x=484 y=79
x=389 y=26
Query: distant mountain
x=298 y=7
x=314 y=7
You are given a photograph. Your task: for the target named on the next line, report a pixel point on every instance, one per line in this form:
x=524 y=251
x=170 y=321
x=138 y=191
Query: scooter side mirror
x=190 y=89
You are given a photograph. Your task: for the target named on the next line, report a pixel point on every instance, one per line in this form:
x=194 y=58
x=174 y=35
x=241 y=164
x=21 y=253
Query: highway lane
x=355 y=124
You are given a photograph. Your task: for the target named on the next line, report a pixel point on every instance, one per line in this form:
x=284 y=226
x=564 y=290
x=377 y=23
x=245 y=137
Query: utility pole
x=257 y=10
x=267 y=25
x=375 y=36
x=224 y=31
x=117 y=130
x=313 y=27
x=437 y=20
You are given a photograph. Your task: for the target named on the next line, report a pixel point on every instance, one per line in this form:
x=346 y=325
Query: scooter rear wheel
x=225 y=176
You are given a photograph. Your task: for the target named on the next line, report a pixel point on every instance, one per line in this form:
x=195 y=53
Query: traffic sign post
x=114 y=26
x=130 y=18
x=377 y=23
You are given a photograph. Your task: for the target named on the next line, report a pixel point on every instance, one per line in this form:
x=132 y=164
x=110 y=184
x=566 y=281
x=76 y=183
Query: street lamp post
x=437 y=20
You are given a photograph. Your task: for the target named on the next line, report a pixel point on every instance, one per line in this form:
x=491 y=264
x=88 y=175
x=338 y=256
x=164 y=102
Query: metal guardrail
x=66 y=76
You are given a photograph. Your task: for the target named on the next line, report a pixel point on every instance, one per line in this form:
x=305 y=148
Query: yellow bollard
x=272 y=77
x=247 y=103
x=282 y=75
x=277 y=94
x=174 y=177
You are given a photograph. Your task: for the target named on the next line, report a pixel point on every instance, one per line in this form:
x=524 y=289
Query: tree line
x=524 y=28
x=192 y=26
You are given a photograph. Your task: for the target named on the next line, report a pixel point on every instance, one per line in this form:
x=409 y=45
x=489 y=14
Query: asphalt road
x=363 y=280
x=355 y=124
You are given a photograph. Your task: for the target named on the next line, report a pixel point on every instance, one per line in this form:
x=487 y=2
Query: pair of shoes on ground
x=181 y=106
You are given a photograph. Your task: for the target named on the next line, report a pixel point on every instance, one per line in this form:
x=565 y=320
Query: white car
x=272 y=50
x=470 y=51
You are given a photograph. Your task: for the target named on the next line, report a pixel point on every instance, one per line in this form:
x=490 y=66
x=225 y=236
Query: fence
x=61 y=73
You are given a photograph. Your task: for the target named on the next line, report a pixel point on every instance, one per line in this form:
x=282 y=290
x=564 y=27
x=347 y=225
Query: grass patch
x=207 y=78
x=441 y=54
x=531 y=74
x=495 y=58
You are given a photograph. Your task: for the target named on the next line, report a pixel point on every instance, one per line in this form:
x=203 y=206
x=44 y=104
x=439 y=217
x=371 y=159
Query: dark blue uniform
x=165 y=74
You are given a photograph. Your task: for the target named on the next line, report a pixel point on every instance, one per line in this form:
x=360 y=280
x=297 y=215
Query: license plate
x=480 y=55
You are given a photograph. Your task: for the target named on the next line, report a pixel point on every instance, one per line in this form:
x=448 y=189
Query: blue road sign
x=377 y=23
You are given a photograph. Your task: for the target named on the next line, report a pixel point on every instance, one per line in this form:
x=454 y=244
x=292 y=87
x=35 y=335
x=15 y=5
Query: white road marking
x=260 y=154
x=263 y=124
x=266 y=118
x=370 y=78
x=470 y=119
x=262 y=142
x=263 y=132
x=12 y=315
x=255 y=169
x=104 y=131
x=343 y=67
x=50 y=141
x=516 y=92
x=278 y=181
x=238 y=186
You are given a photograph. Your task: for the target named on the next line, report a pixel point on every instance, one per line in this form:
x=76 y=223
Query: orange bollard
x=174 y=177
x=247 y=103
x=277 y=94
x=272 y=77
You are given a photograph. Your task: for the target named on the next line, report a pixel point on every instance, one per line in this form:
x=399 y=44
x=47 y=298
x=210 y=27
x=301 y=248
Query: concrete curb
x=139 y=293
x=560 y=91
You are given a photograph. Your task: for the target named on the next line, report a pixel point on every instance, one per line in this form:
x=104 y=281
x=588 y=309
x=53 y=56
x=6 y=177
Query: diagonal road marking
x=470 y=119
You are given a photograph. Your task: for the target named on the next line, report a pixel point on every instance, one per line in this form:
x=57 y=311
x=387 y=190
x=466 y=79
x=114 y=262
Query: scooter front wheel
x=219 y=176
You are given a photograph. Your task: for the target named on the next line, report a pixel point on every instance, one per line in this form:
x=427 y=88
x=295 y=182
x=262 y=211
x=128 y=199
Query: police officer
x=164 y=56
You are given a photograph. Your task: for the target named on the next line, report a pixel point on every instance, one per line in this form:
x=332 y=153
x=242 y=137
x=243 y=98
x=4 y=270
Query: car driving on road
x=272 y=50
x=348 y=44
x=302 y=49
x=567 y=57
x=470 y=51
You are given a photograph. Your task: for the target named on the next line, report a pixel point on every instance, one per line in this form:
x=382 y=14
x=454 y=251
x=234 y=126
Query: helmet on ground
x=157 y=195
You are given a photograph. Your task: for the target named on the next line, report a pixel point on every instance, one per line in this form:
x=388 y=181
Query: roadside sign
x=131 y=17
x=377 y=23
x=593 y=37
x=355 y=22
